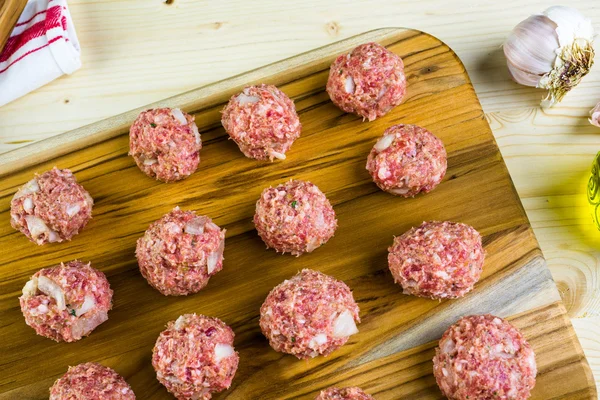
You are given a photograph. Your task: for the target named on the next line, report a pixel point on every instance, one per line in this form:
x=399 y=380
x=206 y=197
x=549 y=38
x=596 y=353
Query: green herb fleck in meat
x=294 y=204
x=73 y=313
x=152 y=124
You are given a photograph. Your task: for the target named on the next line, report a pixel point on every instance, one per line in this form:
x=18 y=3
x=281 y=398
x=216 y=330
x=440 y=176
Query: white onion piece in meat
x=179 y=322
x=53 y=236
x=222 y=351
x=382 y=91
x=52 y=289
x=317 y=340
x=36 y=226
x=384 y=142
x=83 y=326
x=276 y=154
x=344 y=325
x=215 y=257
x=28 y=188
x=179 y=116
x=211 y=226
x=28 y=205
x=150 y=161
x=312 y=244
x=448 y=346
x=30 y=287
x=399 y=190
x=349 y=84
x=73 y=209
x=195 y=226
x=243 y=98
x=88 y=303
x=196 y=133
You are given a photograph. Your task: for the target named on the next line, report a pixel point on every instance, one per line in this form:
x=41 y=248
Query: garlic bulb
x=551 y=51
x=595 y=115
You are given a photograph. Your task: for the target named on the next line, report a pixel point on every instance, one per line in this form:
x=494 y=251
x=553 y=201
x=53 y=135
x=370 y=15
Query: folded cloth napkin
x=42 y=47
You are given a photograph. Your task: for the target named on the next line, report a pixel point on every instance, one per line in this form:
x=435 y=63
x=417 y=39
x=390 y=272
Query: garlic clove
x=556 y=47
x=570 y=24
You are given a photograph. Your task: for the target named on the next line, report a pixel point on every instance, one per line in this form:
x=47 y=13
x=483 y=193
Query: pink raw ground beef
x=66 y=302
x=91 y=381
x=349 y=393
x=263 y=122
x=483 y=357
x=52 y=207
x=294 y=217
x=407 y=160
x=165 y=144
x=368 y=81
x=309 y=315
x=437 y=260
x=194 y=357
x=180 y=252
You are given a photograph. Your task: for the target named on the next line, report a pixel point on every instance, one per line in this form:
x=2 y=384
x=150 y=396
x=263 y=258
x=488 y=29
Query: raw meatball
x=165 y=144
x=484 y=357
x=51 y=207
x=438 y=260
x=407 y=160
x=294 y=217
x=309 y=315
x=66 y=302
x=91 y=381
x=263 y=122
x=180 y=252
x=349 y=393
x=368 y=81
x=194 y=357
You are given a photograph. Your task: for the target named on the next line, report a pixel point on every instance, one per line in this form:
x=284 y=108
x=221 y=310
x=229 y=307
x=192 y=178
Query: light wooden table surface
x=139 y=51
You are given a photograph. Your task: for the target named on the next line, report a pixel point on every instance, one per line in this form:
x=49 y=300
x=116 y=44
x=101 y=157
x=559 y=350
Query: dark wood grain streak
x=391 y=355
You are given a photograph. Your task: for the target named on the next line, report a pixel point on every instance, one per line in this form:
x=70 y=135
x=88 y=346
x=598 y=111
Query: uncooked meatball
x=165 y=144
x=180 y=252
x=349 y=393
x=407 y=160
x=194 y=357
x=294 y=217
x=438 y=260
x=368 y=81
x=308 y=315
x=91 y=381
x=263 y=122
x=66 y=302
x=484 y=357
x=52 y=207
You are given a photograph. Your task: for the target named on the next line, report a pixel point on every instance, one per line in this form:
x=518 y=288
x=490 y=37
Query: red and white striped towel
x=42 y=47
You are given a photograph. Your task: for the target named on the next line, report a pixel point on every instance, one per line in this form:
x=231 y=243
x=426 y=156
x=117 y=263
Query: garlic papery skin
x=552 y=51
x=595 y=116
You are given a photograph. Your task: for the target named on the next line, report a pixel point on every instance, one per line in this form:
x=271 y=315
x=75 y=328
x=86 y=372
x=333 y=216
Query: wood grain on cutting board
x=391 y=356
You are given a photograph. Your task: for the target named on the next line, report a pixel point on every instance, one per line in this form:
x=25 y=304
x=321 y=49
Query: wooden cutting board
x=391 y=355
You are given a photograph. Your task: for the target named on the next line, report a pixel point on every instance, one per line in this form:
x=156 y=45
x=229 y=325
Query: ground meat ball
x=294 y=217
x=438 y=260
x=66 y=302
x=484 y=357
x=51 y=207
x=91 y=381
x=194 y=357
x=309 y=315
x=180 y=252
x=407 y=160
x=368 y=81
x=263 y=122
x=349 y=393
x=165 y=144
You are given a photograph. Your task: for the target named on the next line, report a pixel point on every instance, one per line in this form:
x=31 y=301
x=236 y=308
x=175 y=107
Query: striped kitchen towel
x=42 y=46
